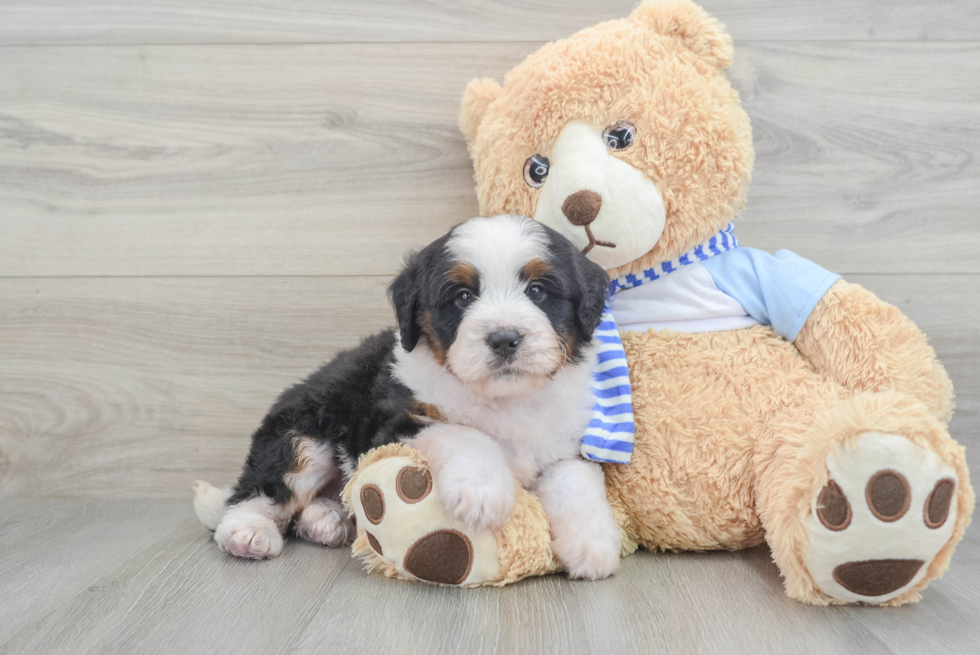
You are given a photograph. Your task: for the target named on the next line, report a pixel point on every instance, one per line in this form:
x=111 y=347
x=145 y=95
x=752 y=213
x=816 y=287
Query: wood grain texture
x=143 y=576
x=311 y=21
x=326 y=160
x=134 y=387
x=166 y=165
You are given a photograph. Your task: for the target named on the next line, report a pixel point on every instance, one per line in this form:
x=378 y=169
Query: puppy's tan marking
x=463 y=274
x=568 y=344
x=312 y=468
x=427 y=411
x=535 y=269
x=302 y=453
x=438 y=350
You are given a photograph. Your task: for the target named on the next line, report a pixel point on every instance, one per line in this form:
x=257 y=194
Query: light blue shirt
x=779 y=290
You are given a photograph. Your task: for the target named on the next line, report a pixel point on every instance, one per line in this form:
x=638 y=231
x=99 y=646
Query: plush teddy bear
x=772 y=400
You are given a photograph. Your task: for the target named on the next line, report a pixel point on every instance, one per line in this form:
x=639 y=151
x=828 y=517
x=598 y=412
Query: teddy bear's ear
x=477 y=97
x=703 y=34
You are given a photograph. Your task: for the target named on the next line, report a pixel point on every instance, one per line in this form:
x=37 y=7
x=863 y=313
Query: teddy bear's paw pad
x=397 y=507
x=886 y=512
x=443 y=556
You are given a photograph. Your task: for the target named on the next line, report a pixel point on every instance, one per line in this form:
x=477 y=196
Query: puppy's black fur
x=354 y=404
x=575 y=293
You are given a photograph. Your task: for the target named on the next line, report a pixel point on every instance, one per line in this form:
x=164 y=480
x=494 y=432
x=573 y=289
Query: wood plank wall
x=202 y=200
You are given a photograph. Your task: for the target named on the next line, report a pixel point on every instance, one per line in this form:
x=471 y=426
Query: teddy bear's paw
x=886 y=512
x=325 y=522
x=397 y=506
x=249 y=535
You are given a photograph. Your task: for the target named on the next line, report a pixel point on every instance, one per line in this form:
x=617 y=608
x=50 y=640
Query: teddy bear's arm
x=866 y=344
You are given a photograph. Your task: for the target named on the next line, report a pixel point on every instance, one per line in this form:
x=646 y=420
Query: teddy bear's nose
x=582 y=207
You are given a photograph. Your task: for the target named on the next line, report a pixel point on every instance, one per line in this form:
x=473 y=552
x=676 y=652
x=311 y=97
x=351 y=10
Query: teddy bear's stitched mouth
x=593 y=242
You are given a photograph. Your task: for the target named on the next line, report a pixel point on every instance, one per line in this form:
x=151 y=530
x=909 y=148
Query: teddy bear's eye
x=619 y=136
x=536 y=170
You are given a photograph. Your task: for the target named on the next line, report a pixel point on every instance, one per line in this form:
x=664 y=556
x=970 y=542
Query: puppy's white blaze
x=498 y=249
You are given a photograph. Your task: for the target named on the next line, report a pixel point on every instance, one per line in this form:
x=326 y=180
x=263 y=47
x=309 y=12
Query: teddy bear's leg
x=868 y=504
x=405 y=531
x=865 y=344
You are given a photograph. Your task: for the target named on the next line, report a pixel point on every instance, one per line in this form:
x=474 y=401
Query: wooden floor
x=200 y=200
x=142 y=576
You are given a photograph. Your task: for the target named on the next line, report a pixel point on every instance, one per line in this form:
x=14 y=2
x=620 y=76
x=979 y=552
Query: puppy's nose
x=582 y=207
x=504 y=343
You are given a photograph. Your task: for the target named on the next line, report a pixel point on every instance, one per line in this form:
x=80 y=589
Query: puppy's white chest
x=534 y=430
x=533 y=438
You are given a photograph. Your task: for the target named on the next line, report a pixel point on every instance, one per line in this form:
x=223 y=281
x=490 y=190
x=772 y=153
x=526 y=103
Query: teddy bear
x=772 y=400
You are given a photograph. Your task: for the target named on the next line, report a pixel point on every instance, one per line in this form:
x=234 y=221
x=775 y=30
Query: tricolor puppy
x=488 y=374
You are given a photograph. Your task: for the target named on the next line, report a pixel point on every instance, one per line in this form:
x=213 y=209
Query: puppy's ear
x=403 y=293
x=594 y=285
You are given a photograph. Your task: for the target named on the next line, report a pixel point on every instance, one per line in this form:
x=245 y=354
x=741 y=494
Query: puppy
x=489 y=375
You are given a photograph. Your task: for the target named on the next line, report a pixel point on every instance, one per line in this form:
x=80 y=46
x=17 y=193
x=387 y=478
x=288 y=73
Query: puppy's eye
x=536 y=292
x=536 y=170
x=464 y=298
x=619 y=136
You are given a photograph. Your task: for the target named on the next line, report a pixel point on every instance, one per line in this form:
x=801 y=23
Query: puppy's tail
x=209 y=503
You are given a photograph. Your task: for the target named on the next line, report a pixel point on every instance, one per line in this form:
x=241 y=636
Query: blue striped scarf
x=609 y=435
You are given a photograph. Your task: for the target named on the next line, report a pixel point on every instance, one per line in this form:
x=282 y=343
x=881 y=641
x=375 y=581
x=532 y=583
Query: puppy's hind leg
x=252 y=528
x=278 y=482
x=325 y=522
x=316 y=481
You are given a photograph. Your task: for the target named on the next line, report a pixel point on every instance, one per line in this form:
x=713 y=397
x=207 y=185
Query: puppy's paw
x=589 y=547
x=252 y=536
x=324 y=522
x=480 y=494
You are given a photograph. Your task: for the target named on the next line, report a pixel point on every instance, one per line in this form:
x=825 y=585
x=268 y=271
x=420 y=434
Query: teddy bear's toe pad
x=398 y=509
x=881 y=518
x=877 y=577
x=443 y=556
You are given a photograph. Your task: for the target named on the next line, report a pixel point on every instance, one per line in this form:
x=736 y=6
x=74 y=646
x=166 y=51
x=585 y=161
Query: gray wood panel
x=134 y=387
x=185 y=184
x=332 y=159
x=143 y=576
x=219 y=21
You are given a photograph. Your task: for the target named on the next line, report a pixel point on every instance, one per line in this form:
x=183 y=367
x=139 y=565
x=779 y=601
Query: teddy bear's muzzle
x=581 y=208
